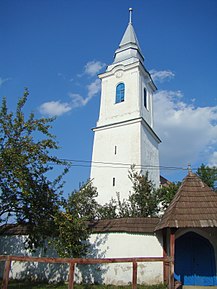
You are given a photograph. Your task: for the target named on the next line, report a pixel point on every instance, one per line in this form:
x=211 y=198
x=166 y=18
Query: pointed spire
x=130 y=35
x=130 y=43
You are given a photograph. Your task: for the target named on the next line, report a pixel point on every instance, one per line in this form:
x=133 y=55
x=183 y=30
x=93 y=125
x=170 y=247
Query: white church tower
x=124 y=134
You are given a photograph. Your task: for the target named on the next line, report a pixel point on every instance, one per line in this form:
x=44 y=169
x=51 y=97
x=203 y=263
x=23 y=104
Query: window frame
x=120 y=92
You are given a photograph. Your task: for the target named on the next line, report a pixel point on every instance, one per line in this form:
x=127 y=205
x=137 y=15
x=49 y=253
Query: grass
x=28 y=285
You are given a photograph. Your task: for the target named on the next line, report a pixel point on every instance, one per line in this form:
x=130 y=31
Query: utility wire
x=100 y=164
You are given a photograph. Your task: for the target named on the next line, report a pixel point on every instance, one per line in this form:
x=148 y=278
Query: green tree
x=72 y=233
x=82 y=203
x=72 y=223
x=208 y=175
x=108 y=210
x=144 y=200
x=167 y=193
x=27 y=195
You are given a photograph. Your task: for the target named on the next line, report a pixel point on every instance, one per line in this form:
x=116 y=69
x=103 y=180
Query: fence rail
x=73 y=261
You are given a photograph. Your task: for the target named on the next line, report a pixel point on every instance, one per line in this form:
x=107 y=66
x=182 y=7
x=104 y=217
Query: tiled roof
x=13 y=229
x=164 y=181
x=194 y=205
x=127 y=225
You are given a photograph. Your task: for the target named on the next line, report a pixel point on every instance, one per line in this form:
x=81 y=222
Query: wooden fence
x=72 y=262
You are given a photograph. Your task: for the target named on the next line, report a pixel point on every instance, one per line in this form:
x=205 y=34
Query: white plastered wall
x=124 y=245
x=117 y=147
x=103 y=245
x=121 y=139
x=150 y=156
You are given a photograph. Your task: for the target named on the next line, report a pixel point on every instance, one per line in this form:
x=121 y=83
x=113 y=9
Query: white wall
x=150 y=156
x=126 y=126
x=124 y=245
x=125 y=137
x=14 y=245
x=104 y=245
x=118 y=147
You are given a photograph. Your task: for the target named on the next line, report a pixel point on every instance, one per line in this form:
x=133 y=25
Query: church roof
x=194 y=205
x=125 y=225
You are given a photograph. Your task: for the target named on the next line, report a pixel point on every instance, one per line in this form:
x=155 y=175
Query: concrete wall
x=102 y=246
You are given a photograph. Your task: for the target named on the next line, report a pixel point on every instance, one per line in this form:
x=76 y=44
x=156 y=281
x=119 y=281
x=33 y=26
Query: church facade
x=124 y=135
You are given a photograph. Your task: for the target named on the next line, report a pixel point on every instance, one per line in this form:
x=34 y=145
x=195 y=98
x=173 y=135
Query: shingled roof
x=194 y=205
x=127 y=225
x=13 y=229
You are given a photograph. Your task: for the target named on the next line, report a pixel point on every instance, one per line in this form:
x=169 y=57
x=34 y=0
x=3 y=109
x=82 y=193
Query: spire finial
x=130 y=19
x=189 y=168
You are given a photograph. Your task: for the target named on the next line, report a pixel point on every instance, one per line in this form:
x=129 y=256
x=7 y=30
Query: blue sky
x=56 y=48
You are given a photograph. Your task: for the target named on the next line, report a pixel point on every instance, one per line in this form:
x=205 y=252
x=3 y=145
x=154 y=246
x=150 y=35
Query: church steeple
x=129 y=45
x=124 y=134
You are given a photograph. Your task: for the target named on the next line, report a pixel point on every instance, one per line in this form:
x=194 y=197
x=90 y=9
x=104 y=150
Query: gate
x=195 y=261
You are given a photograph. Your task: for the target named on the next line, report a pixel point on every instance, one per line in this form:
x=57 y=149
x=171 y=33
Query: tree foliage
x=72 y=233
x=143 y=201
x=108 y=210
x=82 y=203
x=208 y=175
x=72 y=222
x=167 y=193
x=27 y=195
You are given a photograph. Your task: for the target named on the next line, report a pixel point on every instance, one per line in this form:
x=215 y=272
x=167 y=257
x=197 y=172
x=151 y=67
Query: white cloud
x=92 y=68
x=77 y=100
x=213 y=159
x=92 y=89
x=188 y=133
x=161 y=75
x=3 y=80
x=57 y=108
x=54 y=108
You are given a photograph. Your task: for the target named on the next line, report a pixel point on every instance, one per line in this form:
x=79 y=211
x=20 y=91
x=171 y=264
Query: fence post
x=171 y=277
x=71 y=275
x=134 y=285
x=6 y=274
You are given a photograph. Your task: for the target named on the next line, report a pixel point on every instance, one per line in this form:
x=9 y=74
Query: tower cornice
x=127 y=65
x=129 y=121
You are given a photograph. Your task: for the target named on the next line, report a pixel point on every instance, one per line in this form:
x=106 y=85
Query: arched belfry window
x=145 y=98
x=120 y=91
